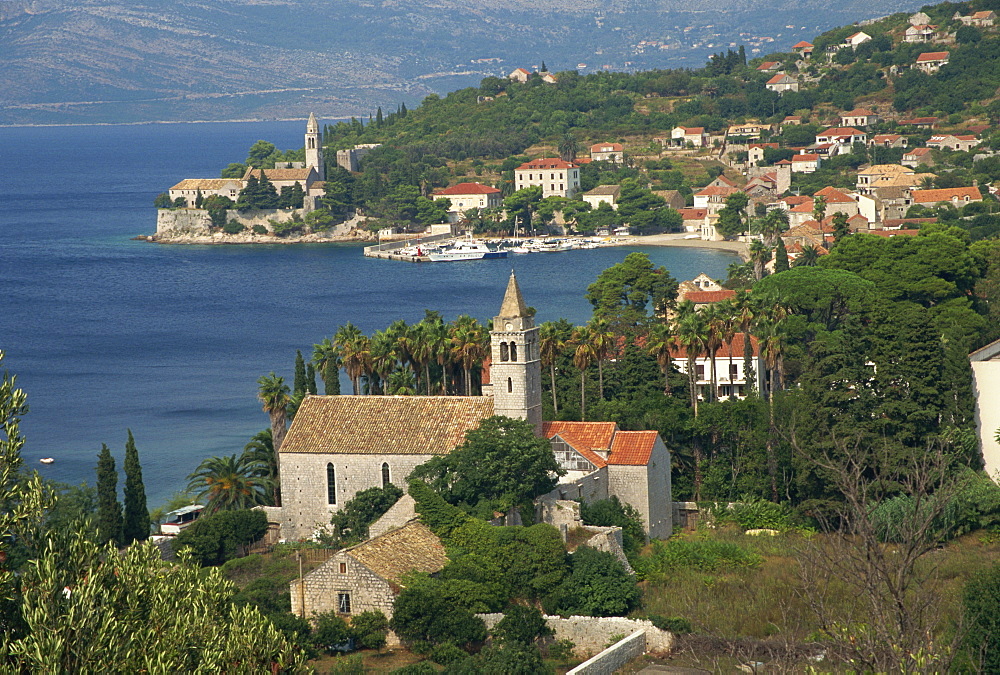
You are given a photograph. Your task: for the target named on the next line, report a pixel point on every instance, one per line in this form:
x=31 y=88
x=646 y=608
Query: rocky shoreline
x=221 y=238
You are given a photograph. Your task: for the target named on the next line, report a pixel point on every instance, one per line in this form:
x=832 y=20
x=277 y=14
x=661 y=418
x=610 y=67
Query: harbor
x=446 y=248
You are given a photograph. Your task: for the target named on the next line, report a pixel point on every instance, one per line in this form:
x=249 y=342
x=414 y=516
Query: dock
x=391 y=250
x=389 y=255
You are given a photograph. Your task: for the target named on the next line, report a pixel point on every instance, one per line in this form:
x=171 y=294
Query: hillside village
x=790 y=466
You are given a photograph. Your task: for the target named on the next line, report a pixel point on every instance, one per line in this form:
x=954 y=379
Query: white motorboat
x=465 y=250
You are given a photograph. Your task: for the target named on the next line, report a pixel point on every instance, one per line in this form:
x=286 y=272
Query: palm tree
x=229 y=483
x=326 y=357
x=430 y=346
x=771 y=226
x=259 y=451
x=383 y=360
x=468 y=346
x=760 y=254
x=583 y=356
x=661 y=344
x=715 y=330
x=401 y=383
x=808 y=258
x=819 y=208
x=549 y=345
x=602 y=340
x=745 y=312
x=273 y=393
x=692 y=334
x=353 y=346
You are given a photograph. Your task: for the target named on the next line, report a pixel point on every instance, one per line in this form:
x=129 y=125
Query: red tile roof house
x=782 y=82
x=887 y=141
x=931 y=62
x=519 y=75
x=807 y=163
x=952 y=142
x=919 y=122
x=556 y=177
x=693 y=219
x=958 y=197
x=917 y=156
x=465 y=196
x=920 y=33
x=859 y=117
x=607 y=152
x=803 y=49
x=841 y=137
x=729 y=373
x=769 y=66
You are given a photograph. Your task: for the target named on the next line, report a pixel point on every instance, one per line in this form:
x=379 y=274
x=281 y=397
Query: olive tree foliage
x=89 y=609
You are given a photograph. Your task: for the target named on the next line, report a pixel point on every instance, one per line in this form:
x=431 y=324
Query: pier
x=391 y=250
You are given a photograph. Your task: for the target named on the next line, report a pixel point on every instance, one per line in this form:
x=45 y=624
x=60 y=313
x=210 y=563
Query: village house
x=731 y=378
x=805 y=163
x=917 y=156
x=957 y=197
x=920 y=33
x=839 y=140
x=762 y=185
x=673 y=198
x=190 y=188
x=755 y=153
x=713 y=197
x=607 y=152
x=694 y=219
x=880 y=175
x=856 y=40
x=887 y=141
x=919 y=122
x=962 y=143
x=931 y=62
x=556 y=177
x=607 y=194
x=891 y=203
x=982 y=18
x=769 y=67
x=466 y=196
x=859 y=117
x=919 y=18
x=519 y=75
x=750 y=130
x=349 y=159
x=549 y=78
x=803 y=49
x=369 y=576
x=781 y=83
x=340 y=445
x=682 y=136
x=794 y=120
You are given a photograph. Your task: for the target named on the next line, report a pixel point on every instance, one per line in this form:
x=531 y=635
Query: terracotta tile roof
x=547 y=163
x=401 y=425
x=410 y=548
x=804 y=158
x=768 y=65
x=841 y=131
x=804 y=207
x=932 y=56
x=467 y=189
x=588 y=435
x=693 y=131
x=705 y=297
x=282 y=174
x=586 y=453
x=985 y=14
x=946 y=194
x=833 y=195
x=716 y=190
x=886 y=137
x=207 y=184
x=692 y=214
x=858 y=112
x=734 y=349
x=917 y=152
x=632 y=448
x=607 y=147
x=780 y=77
x=800 y=45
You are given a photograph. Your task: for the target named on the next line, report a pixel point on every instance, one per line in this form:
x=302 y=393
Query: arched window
x=331 y=484
x=513 y=351
x=510 y=386
x=503 y=352
x=385 y=474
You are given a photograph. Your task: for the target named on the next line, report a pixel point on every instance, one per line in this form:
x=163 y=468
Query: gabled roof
x=398 y=425
x=801 y=45
x=466 y=189
x=946 y=195
x=604 y=190
x=917 y=152
x=715 y=190
x=547 y=163
x=768 y=65
x=858 y=112
x=588 y=435
x=281 y=174
x=834 y=196
x=207 y=184
x=410 y=548
x=734 y=349
x=781 y=77
x=633 y=448
x=841 y=131
x=932 y=56
x=805 y=158
x=706 y=297
x=607 y=147
x=693 y=131
x=586 y=453
x=692 y=214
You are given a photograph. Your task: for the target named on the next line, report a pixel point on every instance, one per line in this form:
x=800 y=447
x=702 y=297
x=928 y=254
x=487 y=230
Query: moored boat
x=465 y=250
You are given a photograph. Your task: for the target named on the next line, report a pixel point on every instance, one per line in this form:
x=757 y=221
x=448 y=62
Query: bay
x=106 y=333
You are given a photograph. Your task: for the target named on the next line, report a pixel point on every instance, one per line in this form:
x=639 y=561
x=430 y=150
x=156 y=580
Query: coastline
x=677 y=239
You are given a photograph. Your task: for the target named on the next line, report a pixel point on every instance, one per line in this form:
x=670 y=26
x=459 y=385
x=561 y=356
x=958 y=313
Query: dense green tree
x=521 y=204
x=369 y=629
x=234 y=170
x=612 y=512
x=501 y=462
x=109 y=509
x=598 y=585
x=261 y=154
x=981 y=603
x=218 y=537
x=426 y=612
x=629 y=293
x=299 y=385
x=780 y=257
x=525 y=625
x=135 y=523
x=163 y=201
x=350 y=523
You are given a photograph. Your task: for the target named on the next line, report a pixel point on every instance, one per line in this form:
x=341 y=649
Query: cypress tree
x=331 y=381
x=267 y=194
x=135 y=525
x=378 y=118
x=780 y=256
x=109 y=511
x=311 y=378
x=299 y=384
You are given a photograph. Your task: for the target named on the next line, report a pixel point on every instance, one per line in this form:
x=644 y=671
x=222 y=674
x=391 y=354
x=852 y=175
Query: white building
x=465 y=196
x=603 y=193
x=556 y=177
x=781 y=83
x=986 y=387
x=729 y=372
x=607 y=152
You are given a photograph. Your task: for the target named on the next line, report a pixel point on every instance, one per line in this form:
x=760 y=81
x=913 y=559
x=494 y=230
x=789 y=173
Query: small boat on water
x=465 y=250
x=46 y=460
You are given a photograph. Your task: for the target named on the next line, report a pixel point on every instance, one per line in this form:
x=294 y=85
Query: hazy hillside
x=105 y=61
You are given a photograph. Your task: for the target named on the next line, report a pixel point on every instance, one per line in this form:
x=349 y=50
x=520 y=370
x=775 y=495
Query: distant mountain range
x=93 y=61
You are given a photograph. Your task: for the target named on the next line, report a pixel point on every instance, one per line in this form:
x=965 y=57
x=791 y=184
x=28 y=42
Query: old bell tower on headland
x=314 y=146
x=516 y=368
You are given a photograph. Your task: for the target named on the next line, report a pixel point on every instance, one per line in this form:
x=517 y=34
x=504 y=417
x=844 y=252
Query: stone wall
x=609 y=540
x=592 y=487
x=399 y=514
x=591 y=634
x=305 y=508
x=614 y=657
x=562 y=514
x=174 y=222
x=321 y=588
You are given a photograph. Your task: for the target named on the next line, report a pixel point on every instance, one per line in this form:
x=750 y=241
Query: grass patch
x=698 y=553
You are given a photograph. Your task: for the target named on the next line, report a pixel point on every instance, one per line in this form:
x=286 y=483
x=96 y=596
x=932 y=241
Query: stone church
x=340 y=445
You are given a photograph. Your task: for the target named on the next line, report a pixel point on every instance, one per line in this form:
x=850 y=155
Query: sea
x=105 y=333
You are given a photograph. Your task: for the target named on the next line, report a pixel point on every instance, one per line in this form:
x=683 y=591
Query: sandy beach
x=678 y=239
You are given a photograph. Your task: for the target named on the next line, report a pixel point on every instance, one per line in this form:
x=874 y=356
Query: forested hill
x=107 y=61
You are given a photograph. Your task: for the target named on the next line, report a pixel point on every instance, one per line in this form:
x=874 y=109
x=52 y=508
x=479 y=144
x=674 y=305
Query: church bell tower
x=516 y=368
x=314 y=146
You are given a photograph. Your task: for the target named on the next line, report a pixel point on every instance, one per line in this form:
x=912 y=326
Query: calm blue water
x=106 y=333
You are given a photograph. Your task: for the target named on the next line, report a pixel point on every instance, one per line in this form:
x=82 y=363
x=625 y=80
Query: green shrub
x=350 y=524
x=707 y=555
x=216 y=538
x=369 y=629
x=419 y=668
x=597 y=585
x=561 y=650
x=612 y=512
x=521 y=624
x=447 y=653
x=259 y=229
x=233 y=227
x=674 y=624
x=347 y=665
x=981 y=602
x=753 y=514
x=331 y=630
